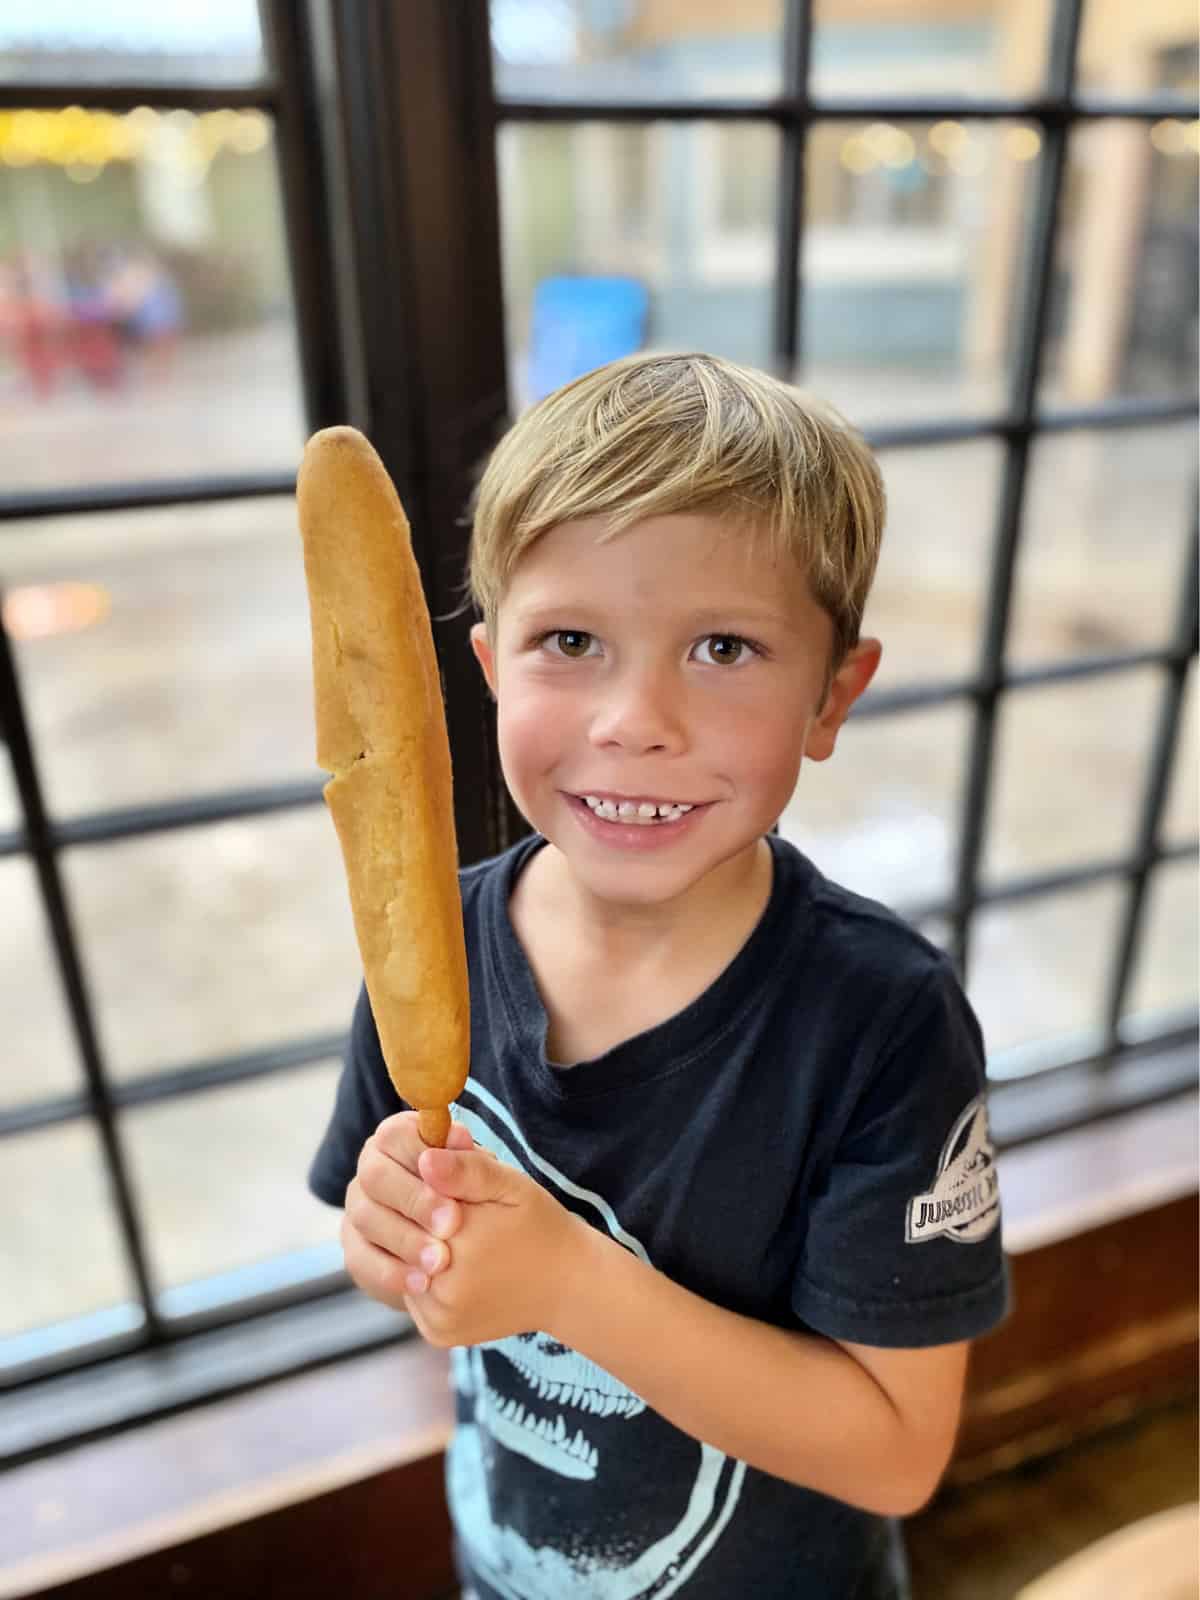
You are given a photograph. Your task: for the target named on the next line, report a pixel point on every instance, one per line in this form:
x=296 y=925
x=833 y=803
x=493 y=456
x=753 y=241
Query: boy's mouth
x=636 y=812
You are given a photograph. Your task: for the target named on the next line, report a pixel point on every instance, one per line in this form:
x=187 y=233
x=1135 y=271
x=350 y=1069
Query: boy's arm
x=871 y=1426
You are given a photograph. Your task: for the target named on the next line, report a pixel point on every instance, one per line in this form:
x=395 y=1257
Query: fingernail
x=443 y=1220
x=432 y=1256
x=416 y=1283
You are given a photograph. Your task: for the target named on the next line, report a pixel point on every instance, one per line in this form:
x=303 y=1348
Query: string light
x=1172 y=137
x=946 y=137
x=84 y=142
x=880 y=144
x=1023 y=144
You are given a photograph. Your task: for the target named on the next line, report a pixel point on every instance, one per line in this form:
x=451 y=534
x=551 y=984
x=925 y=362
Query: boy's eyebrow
x=581 y=611
x=738 y=613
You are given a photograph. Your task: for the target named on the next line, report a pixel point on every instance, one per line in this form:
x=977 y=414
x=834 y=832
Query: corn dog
x=381 y=732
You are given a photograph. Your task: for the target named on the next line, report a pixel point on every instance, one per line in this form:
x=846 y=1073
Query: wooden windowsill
x=238 y=1459
x=1082 y=1180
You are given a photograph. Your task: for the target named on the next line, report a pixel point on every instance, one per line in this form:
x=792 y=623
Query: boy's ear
x=849 y=681
x=482 y=646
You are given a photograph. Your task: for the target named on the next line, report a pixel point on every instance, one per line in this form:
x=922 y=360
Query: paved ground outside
x=194 y=677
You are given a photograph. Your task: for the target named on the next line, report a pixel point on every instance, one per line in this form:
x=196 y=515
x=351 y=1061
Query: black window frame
x=407 y=185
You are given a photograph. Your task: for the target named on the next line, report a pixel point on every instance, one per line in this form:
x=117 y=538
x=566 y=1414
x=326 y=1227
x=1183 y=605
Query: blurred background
x=971 y=224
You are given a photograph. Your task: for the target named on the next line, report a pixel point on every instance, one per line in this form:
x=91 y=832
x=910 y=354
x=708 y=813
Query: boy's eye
x=570 y=642
x=726 y=649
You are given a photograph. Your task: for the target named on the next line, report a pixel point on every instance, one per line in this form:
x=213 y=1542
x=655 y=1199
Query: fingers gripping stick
x=381 y=732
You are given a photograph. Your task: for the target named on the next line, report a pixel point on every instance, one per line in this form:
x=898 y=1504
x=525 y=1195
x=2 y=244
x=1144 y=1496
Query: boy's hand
x=395 y=1227
x=513 y=1255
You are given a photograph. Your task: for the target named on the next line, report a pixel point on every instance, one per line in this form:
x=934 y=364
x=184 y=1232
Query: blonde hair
x=655 y=435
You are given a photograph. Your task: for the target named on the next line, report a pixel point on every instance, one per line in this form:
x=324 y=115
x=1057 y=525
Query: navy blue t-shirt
x=806 y=1143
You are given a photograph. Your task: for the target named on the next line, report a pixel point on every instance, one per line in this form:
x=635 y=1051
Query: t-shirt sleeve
x=365 y=1096
x=902 y=1245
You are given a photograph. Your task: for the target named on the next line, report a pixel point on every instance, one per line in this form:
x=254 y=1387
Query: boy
x=709 y=1307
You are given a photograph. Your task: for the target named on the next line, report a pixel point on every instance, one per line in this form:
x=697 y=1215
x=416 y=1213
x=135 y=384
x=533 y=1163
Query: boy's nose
x=639 y=713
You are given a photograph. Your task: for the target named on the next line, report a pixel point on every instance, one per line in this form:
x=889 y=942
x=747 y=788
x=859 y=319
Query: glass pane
x=913 y=236
x=1123 y=313
x=928 y=599
x=129 y=41
x=882 y=816
x=178 y=636
x=60 y=1252
x=1070 y=769
x=39 y=1058
x=634 y=50
x=1168 y=958
x=991 y=48
x=621 y=238
x=220 y=1176
x=1128 y=49
x=1102 y=542
x=1181 y=814
x=217 y=939
x=1038 y=968
x=146 y=326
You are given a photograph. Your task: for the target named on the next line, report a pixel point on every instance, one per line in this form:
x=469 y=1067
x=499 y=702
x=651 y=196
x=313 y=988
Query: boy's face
x=675 y=663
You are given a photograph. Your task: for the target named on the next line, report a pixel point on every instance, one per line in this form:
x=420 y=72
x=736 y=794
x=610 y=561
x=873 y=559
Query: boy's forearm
x=791 y=1404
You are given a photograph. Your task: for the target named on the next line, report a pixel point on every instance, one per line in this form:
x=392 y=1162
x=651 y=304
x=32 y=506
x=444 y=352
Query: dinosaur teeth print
x=557 y=1377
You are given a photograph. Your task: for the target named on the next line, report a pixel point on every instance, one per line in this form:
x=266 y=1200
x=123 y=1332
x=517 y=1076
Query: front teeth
x=627 y=811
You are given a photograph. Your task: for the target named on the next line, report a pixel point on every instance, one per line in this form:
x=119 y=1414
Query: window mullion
x=797 y=47
x=308 y=215
x=1032 y=305
x=38 y=832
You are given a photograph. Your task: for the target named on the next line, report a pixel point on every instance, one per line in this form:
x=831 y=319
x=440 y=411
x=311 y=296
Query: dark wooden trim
x=383 y=1537
x=1103 y=1322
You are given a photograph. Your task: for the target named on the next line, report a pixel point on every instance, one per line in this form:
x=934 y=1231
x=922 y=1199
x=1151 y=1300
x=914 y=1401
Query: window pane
x=1127 y=49
x=39 y=1059
x=1123 y=316
x=1181 y=815
x=913 y=235
x=994 y=48
x=1164 y=974
x=128 y=41
x=177 y=636
x=60 y=1253
x=146 y=327
x=882 y=816
x=1039 y=968
x=621 y=238
x=221 y=1175
x=216 y=939
x=1102 y=542
x=634 y=50
x=928 y=598
x=1070 y=770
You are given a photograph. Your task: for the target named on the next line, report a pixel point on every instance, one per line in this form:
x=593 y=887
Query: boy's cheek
x=531 y=725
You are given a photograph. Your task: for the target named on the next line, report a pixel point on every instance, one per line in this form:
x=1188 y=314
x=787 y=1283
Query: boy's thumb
x=465 y=1174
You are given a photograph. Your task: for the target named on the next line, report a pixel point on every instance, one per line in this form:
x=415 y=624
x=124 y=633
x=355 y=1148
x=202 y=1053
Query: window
x=925 y=218
x=177 y=961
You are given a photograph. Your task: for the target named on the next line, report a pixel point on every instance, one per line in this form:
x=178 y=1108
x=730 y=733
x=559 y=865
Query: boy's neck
x=721 y=910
